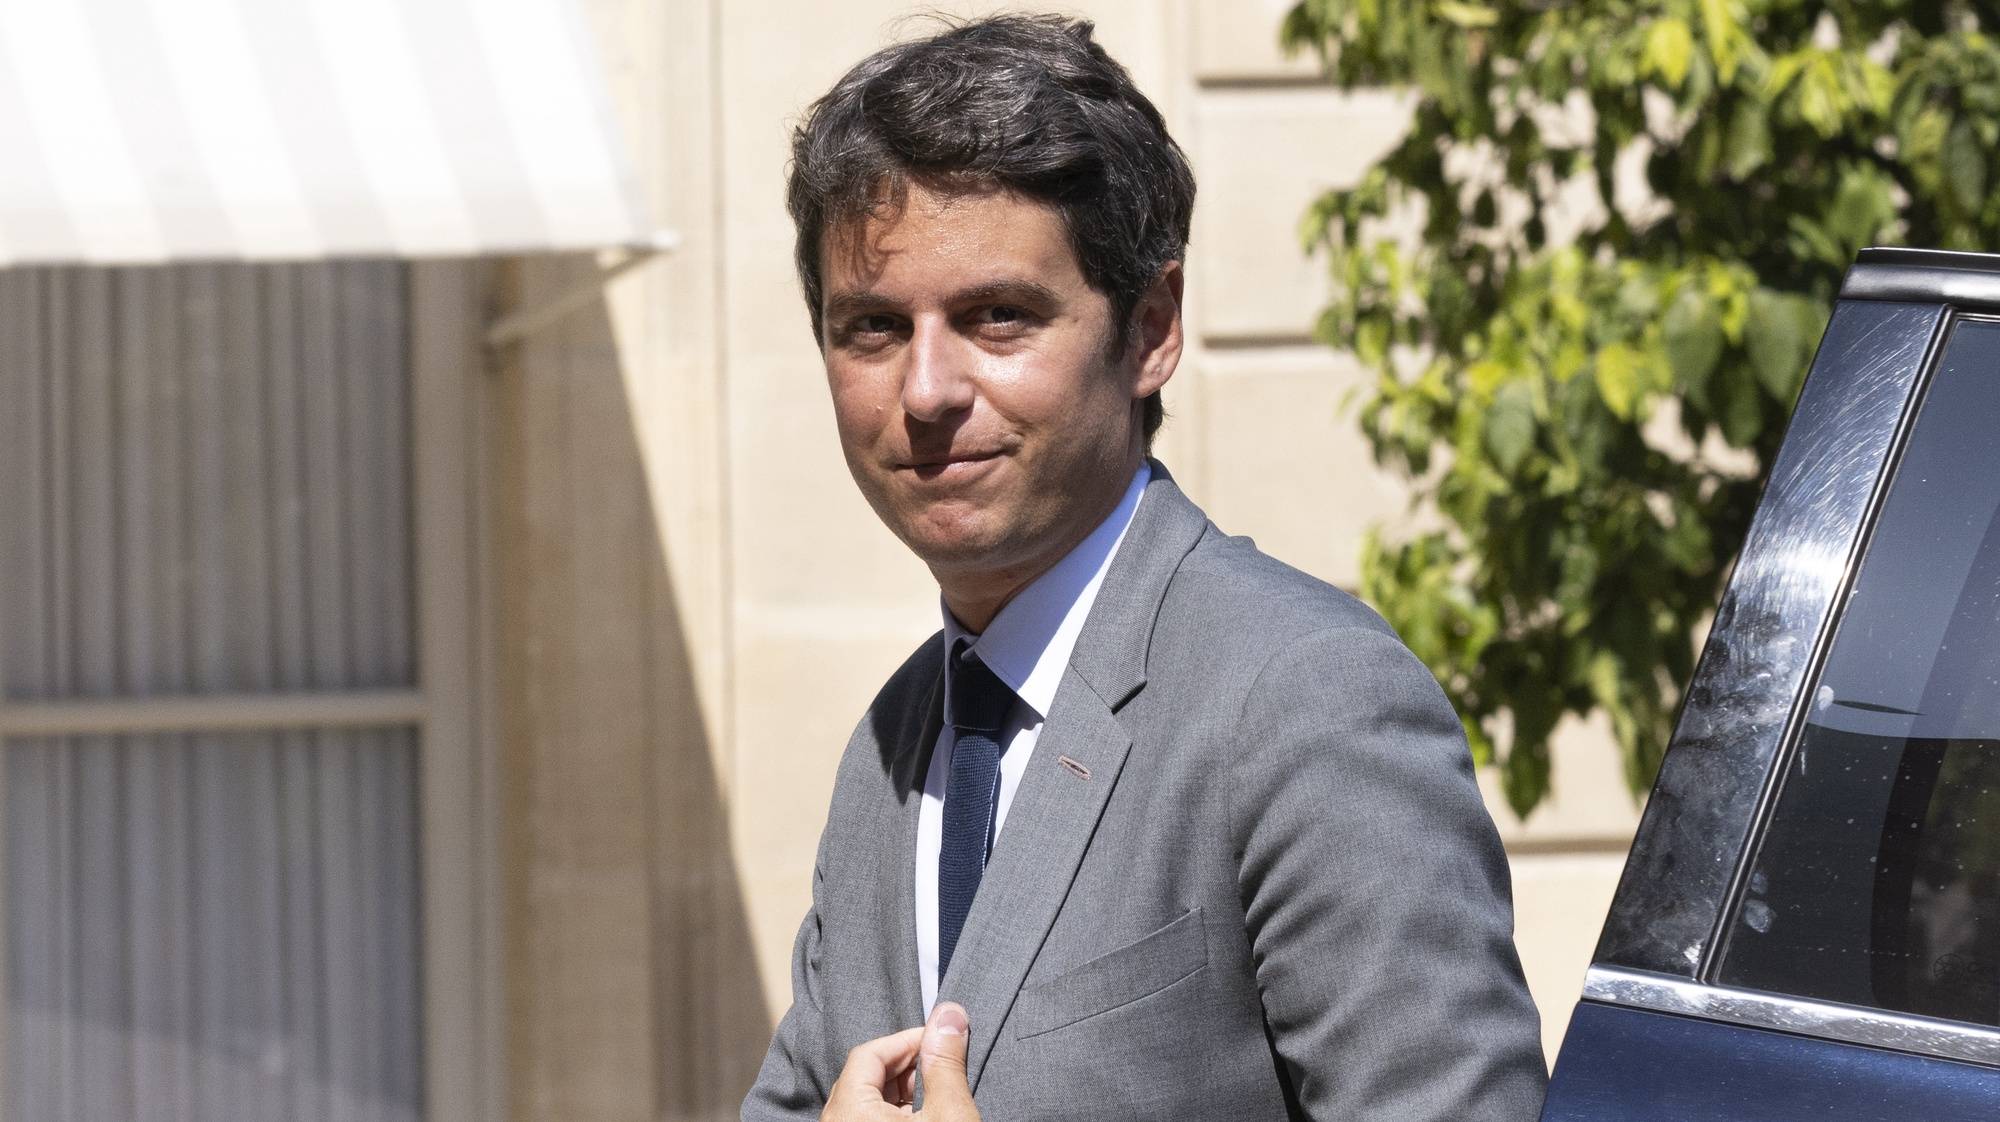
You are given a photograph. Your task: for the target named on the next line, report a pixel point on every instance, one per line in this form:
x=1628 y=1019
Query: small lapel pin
x=1074 y=768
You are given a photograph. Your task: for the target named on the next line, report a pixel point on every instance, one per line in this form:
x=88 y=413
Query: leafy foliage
x=1587 y=381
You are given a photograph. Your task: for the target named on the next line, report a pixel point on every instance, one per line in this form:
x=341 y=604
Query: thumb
x=942 y=1058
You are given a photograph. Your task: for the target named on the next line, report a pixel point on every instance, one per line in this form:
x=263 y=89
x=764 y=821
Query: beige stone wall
x=698 y=604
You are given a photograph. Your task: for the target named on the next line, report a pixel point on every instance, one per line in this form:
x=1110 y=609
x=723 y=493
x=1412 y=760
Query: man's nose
x=938 y=378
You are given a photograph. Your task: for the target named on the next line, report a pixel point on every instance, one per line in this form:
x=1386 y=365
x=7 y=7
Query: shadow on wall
x=632 y=985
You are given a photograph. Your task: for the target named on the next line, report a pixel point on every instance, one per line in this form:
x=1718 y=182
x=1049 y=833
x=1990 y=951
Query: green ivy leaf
x=1468 y=15
x=1618 y=380
x=1480 y=744
x=1811 y=239
x=1687 y=543
x=1603 y=678
x=1965 y=166
x=1669 y=49
x=1862 y=205
x=1577 y=575
x=1719 y=27
x=1524 y=775
x=1371 y=341
x=1747 y=146
x=1741 y=407
x=1775 y=339
x=1484 y=209
x=1692 y=333
x=1510 y=425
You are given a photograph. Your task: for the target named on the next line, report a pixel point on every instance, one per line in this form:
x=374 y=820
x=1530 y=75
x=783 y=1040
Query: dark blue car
x=1808 y=926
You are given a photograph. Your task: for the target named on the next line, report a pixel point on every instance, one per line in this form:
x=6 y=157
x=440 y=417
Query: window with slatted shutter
x=214 y=721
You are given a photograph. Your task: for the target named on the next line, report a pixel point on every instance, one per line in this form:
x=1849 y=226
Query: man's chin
x=958 y=553
x=961 y=547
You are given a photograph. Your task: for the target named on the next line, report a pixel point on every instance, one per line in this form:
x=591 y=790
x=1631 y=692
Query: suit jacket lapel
x=910 y=762
x=1034 y=860
x=1056 y=809
x=1111 y=650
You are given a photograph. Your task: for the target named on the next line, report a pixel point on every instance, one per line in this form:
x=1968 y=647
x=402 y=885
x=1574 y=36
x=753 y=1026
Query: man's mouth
x=950 y=464
x=949 y=458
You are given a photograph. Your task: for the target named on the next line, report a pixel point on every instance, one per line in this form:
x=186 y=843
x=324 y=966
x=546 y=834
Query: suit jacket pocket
x=1114 y=979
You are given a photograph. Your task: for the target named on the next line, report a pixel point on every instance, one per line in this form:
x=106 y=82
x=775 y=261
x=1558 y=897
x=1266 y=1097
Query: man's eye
x=1004 y=315
x=873 y=329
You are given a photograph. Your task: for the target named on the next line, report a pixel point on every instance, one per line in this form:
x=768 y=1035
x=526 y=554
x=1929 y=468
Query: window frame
x=1744 y=708
x=459 y=844
x=1786 y=772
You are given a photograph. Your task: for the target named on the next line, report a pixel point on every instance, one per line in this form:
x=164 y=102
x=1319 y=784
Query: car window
x=1877 y=880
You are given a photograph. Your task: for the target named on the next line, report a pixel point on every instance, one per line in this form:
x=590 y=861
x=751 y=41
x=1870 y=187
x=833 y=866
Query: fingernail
x=948 y=1019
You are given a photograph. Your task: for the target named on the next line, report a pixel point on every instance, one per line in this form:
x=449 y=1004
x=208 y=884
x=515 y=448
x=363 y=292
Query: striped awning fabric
x=138 y=131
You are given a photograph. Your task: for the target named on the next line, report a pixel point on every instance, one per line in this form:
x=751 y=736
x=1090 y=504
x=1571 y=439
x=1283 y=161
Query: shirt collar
x=1029 y=642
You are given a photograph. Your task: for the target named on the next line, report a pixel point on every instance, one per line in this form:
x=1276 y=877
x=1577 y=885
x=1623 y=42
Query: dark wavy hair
x=1031 y=104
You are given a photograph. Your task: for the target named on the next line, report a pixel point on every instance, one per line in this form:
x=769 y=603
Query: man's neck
x=974 y=599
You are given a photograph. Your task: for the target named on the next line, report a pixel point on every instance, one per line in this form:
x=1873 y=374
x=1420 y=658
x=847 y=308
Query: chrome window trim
x=1827 y=1020
x=1967 y=281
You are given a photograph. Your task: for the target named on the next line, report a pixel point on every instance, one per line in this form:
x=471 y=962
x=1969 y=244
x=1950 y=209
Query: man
x=1156 y=827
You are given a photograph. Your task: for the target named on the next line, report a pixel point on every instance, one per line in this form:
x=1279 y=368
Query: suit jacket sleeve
x=1376 y=893
x=794 y=1081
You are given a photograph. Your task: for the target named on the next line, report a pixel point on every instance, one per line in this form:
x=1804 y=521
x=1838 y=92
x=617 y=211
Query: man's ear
x=1156 y=332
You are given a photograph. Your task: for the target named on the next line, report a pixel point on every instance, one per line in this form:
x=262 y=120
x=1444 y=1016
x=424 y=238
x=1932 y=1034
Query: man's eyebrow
x=842 y=304
x=1015 y=289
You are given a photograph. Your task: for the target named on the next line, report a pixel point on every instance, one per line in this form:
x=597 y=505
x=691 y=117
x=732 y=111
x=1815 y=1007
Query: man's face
x=981 y=406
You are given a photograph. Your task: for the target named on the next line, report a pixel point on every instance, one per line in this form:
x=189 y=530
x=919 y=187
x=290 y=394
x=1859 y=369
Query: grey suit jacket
x=1276 y=893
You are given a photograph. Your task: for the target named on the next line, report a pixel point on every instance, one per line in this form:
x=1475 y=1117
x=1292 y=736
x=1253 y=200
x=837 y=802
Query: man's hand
x=879 y=1080
x=947 y=1095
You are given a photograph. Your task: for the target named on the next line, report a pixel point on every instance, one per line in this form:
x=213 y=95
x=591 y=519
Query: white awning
x=159 y=130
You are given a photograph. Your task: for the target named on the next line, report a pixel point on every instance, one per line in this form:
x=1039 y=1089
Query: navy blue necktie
x=979 y=704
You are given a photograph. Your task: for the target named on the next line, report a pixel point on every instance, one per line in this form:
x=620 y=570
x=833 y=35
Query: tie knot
x=979 y=699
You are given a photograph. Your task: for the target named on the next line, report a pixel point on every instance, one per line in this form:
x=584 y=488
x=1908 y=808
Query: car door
x=1808 y=926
